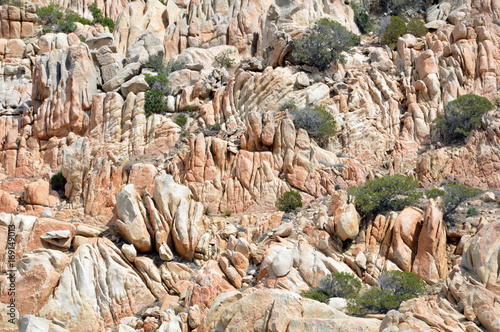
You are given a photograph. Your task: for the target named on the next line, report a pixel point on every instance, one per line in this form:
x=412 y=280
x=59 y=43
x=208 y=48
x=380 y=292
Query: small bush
x=228 y=213
x=340 y=284
x=388 y=193
x=224 y=59
x=434 y=193
x=99 y=17
x=417 y=28
x=316 y=295
x=317 y=121
x=463 y=115
x=395 y=287
x=155 y=102
x=107 y=22
x=456 y=194
x=472 y=212
x=49 y=15
x=392 y=31
x=181 y=120
x=158 y=82
x=404 y=285
x=288 y=106
x=54 y=18
x=289 y=201
x=361 y=17
x=324 y=43
x=15 y=3
x=373 y=300
x=97 y=14
x=65 y=26
x=215 y=128
x=58 y=181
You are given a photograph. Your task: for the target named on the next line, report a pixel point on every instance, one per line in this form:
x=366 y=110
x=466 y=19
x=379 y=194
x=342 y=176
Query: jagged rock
x=123 y=75
x=29 y=323
x=103 y=288
x=64 y=82
x=37 y=193
x=103 y=39
x=135 y=85
x=60 y=239
x=146 y=48
x=131 y=219
x=482 y=254
x=182 y=212
x=430 y=261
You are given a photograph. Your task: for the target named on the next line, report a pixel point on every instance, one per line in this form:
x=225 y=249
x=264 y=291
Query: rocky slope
x=163 y=227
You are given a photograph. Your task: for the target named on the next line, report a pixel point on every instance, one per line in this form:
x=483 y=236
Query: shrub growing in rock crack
x=361 y=17
x=317 y=121
x=392 y=31
x=289 y=201
x=325 y=43
x=340 y=284
x=388 y=193
x=463 y=115
x=395 y=287
x=58 y=181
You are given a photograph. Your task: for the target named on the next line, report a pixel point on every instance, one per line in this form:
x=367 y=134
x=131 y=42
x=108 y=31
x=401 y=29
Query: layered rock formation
x=169 y=225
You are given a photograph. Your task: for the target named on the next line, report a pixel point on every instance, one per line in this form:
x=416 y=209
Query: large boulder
x=97 y=289
x=482 y=257
x=182 y=212
x=131 y=219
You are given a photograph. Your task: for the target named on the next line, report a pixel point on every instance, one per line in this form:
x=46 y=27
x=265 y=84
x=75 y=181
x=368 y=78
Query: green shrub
x=15 y=3
x=154 y=102
x=472 y=212
x=49 y=15
x=99 y=17
x=317 y=121
x=288 y=106
x=395 y=287
x=404 y=285
x=388 y=193
x=228 y=213
x=392 y=31
x=434 y=193
x=55 y=19
x=216 y=128
x=181 y=120
x=72 y=16
x=97 y=14
x=316 y=295
x=289 y=201
x=58 y=181
x=361 y=17
x=65 y=26
x=224 y=59
x=107 y=22
x=456 y=194
x=158 y=82
x=463 y=115
x=373 y=300
x=325 y=43
x=341 y=284
x=417 y=28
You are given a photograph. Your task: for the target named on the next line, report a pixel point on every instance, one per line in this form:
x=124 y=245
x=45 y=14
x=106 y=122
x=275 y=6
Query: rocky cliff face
x=160 y=225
